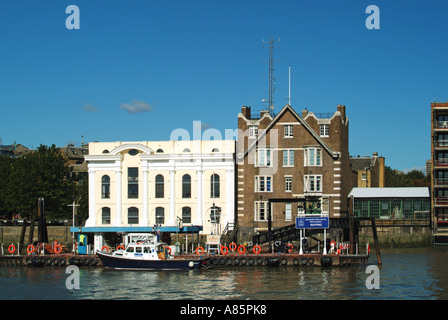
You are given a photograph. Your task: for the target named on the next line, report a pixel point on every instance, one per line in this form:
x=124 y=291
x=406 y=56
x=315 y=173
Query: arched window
x=186 y=150
x=159 y=186
x=186 y=186
x=132 y=215
x=186 y=215
x=160 y=215
x=105 y=215
x=214 y=186
x=159 y=151
x=105 y=187
x=215 y=150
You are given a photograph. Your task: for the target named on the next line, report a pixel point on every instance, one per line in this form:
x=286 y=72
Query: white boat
x=145 y=253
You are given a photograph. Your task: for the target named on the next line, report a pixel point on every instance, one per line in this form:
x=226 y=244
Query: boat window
x=130 y=249
x=138 y=249
x=147 y=249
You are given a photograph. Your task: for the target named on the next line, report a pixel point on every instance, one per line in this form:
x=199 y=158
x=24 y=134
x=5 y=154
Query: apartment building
x=167 y=186
x=439 y=167
x=291 y=156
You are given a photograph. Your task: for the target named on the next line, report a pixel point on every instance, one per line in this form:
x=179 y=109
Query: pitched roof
x=405 y=192
x=287 y=107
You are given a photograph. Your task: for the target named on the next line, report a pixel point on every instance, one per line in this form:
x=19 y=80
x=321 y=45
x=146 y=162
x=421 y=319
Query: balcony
x=441 y=201
x=441 y=182
x=442 y=162
x=441 y=125
x=441 y=144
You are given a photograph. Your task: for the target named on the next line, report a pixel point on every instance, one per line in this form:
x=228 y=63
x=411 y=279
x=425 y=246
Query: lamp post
x=73 y=222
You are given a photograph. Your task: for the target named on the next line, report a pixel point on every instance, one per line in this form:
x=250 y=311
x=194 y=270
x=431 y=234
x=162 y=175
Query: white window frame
x=288 y=211
x=313 y=183
x=264 y=157
x=313 y=160
x=288 y=183
x=325 y=205
x=258 y=206
x=288 y=131
x=288 y=155
x=324 y=130
x=261 y=184
x=253 y=131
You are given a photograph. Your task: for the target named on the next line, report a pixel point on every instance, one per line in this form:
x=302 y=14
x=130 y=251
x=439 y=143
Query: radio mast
x=271 y=44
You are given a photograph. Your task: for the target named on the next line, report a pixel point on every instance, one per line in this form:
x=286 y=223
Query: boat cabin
x=145 y=251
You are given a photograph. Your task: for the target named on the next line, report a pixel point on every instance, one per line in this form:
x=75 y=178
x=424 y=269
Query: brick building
x=370 y=172
x=290 y=156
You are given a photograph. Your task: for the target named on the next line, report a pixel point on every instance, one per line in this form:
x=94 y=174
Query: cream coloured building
x=170 y=186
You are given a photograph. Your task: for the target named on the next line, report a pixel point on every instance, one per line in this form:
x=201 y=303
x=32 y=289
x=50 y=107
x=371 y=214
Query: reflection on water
x=405 y=274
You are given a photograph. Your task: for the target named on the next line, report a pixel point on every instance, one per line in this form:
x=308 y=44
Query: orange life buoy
x=11 y=248
x=30 y=249
x=224 y=250
x=241 y=249
x=120 y=247
x=58 y=248
x=199 y=250
x=232 y=246
x=256 y=249
x=289 y=246
x=105 y=247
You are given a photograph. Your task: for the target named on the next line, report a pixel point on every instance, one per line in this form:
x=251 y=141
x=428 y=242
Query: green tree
x=414 y=178
x=41 y=174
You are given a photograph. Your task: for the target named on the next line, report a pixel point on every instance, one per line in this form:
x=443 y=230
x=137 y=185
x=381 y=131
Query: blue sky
x=137 y=70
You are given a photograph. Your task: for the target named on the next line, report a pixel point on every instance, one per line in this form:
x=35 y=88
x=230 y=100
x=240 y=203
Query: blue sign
x=312 y=222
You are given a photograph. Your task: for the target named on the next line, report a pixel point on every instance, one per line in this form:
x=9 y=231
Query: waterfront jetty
x=216 y=260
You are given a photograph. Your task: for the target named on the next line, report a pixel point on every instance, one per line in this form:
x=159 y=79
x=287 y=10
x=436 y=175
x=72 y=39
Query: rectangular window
x=253 y=131
x=288 y=158
x=261 y=212
x=288 y=131
x=264 y=157
x=133 y=183
x=313 y=183
x=324 y=130
x=288 y=212
x=313 y=157
x=288 y=184
x=263 y=183
x=325 y=205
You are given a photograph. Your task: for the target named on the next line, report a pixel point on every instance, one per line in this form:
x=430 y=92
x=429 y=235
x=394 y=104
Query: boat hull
x=123 y=263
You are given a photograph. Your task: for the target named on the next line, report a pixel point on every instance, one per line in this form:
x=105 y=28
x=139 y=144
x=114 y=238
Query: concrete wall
x=399 y=237
x=11 y=234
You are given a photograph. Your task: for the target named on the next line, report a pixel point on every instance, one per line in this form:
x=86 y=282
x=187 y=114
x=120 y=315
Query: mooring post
x=375 y=238
x=350 y=223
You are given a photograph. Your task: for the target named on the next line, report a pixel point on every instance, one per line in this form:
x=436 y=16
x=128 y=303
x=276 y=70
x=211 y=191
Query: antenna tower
x=271 y=44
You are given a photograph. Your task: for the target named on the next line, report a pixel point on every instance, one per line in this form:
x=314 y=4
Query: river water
x=405 y=274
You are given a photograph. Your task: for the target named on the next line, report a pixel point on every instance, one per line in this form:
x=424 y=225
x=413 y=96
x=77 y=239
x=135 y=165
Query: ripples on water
x=405 y=274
